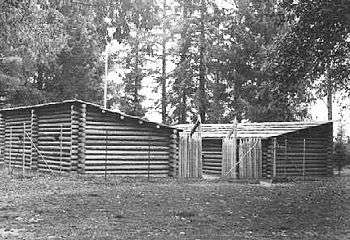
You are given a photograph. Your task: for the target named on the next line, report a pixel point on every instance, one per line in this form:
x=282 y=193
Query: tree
x=164 y=58
x=202 y=99
x=319 y=36
x=30 y=36
x=140 y=41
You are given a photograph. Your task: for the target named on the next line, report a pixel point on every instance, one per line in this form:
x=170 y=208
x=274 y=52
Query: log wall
x=123 y=146
x=54 y=138
x=80 y=137
x=303 y=153
x=16 y=143
x=212 y=156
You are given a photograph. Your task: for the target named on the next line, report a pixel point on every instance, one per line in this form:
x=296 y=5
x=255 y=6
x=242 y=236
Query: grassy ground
x=75 y=207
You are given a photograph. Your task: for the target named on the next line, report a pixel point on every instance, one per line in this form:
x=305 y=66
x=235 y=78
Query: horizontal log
x=126 y=157
x=214 y=164
x=17 y=120
x=53 y=139
x=52 y=161
x=205 y=156
x=116 y=152
x=100 y=126
x=137 y=174
x=55 y=155
x=53 y=127
x=308 y=169
x=144 y=164
x=49 y=144
x=129 y=168
x=125 y=132
x=291 y=154
x=133 y=138
x=126 y=148
x=127 y=143
x=56 y=148
x=8 y=131
x=61 y=114
x=16 y=128
x=212 y=172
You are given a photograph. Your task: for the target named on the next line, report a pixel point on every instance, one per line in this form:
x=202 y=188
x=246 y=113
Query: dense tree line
x=255 y=60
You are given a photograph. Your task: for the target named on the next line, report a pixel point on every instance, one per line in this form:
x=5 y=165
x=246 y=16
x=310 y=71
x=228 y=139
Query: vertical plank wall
x=122 y=146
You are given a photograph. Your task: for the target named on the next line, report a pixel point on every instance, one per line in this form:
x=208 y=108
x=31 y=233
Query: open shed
x=288 y=149
x=83 y=137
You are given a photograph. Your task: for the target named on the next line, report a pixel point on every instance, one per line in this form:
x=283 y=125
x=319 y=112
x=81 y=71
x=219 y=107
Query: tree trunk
x=202 y=98
x=329 y=98
x=183 y=56
x=40 y=77
x=137 y=78
x=164 y=101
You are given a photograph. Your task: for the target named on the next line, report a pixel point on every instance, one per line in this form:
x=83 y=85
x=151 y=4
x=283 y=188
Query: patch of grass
x=84 y=207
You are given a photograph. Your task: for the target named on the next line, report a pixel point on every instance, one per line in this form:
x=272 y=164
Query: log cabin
x=287 y=149
x=77 y=136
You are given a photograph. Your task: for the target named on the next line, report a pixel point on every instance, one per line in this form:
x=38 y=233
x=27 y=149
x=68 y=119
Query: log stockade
x=267 y=150
x=76 y=136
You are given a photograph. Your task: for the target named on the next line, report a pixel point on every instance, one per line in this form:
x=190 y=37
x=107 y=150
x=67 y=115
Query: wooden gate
x=250 y=158
x=229 y=157
x=190 y=156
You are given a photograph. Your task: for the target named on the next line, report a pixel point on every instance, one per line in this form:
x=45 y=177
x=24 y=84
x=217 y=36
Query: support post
x=285 y=156
x=106 y=154
x=274 y=169
x=24 y=149
x=61 y=136
x=2 y=139
x=34 y=140
x=149 y=160
x=304 y=152
x=74 y=138
x=10 y=151
x=173 y=163
x=82 y=139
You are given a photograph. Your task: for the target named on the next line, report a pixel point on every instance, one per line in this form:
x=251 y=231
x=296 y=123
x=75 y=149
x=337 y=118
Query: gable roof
x=98 y=107
x=254 y=130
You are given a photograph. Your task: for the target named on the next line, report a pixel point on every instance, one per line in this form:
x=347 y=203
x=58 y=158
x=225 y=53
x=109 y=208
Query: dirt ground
x=50 y=206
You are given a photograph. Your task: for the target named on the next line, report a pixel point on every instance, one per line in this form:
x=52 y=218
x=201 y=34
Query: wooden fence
x=249 y=154
x=229 y=157
x=190 y=156
x=250 y=158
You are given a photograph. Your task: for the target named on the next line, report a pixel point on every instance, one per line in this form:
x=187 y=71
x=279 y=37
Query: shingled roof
x=256 y=130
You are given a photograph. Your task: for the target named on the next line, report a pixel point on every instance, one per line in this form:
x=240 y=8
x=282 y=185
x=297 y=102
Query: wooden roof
x=98 y=107
x=254 y=130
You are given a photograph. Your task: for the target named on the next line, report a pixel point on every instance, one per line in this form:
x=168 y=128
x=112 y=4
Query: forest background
x=256 y=60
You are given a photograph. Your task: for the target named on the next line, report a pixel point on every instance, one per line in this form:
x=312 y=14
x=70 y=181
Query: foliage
x=320 y=40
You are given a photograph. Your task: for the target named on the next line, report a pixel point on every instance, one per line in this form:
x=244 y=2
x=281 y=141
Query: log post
x=173 y=154
x=34 y=140
x=74 y=139
x=10 y=151
x=274 y=167
x=304 y=153
x=82 y=139
x=329 y=147
x=61 y=137
x=24 y=149
x=2 y=139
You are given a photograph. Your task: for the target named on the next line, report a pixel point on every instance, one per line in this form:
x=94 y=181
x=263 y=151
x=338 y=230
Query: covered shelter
x=77 y=136
x=285 y=149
